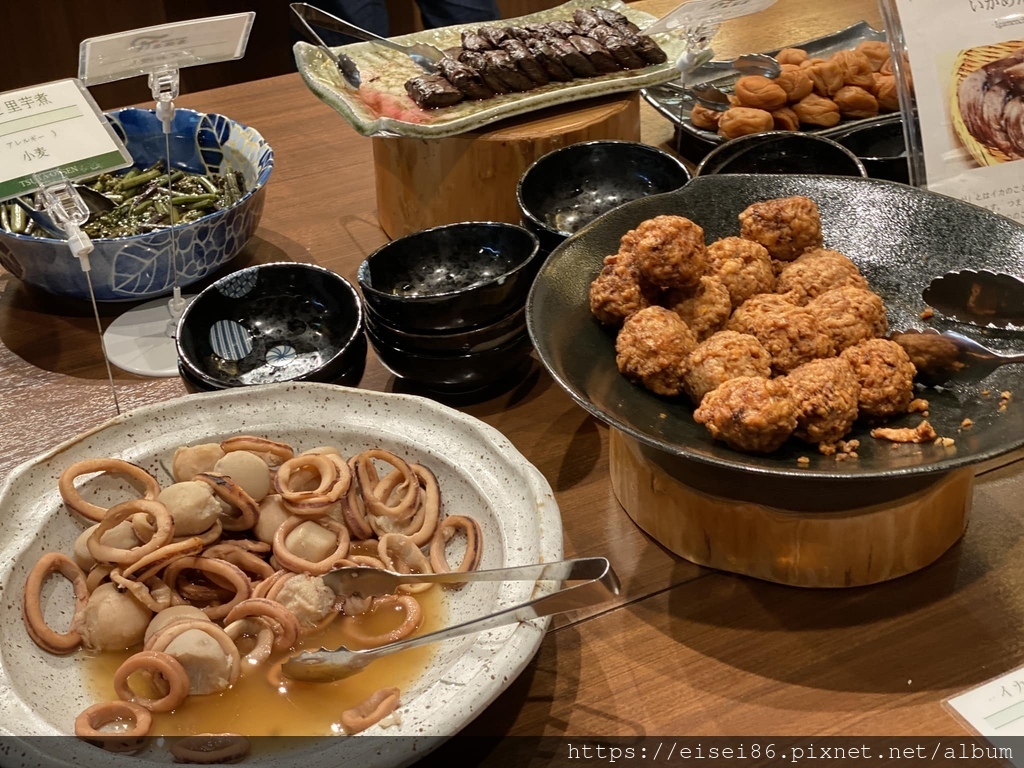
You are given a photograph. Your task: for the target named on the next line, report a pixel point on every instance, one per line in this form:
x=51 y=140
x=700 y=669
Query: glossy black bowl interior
x=565 y=190
x=270 y=323
x=882 y=149
x=454 y=277
x=454 y=343
x=781 y=152
x=502 y=365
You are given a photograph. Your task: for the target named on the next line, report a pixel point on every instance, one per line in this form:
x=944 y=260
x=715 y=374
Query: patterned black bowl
x=565 y=190
x=901 y=237
x=455 y=277
x=271 y=323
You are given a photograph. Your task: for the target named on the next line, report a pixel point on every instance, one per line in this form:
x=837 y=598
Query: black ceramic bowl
x=900 y=237
x=781 y=152
x=457 y=374
x=270 y=323
x=452 y=343
x=454 y=277
x=567 y=189
x=882 y=149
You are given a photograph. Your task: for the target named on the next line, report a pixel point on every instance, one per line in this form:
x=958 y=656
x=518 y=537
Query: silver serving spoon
x=942 y=358
x=979 y=297
x=425 y=56
x=96 y=202
x=326 y=665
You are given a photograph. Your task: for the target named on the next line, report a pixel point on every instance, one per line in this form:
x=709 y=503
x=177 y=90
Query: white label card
x=965 y=60
x=995 y=710
x=699 y=13
x=176 y=46
x=54 y=127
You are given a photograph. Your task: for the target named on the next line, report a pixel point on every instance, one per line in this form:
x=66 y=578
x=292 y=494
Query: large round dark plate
x=900 y=237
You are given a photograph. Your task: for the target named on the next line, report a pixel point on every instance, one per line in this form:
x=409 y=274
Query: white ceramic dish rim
x=502 y=662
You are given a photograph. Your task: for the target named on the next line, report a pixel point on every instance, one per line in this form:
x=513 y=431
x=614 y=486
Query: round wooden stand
x=472 y=177
x=848 y=548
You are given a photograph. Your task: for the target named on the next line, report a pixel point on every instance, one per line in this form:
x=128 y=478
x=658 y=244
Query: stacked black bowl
x=445 y=307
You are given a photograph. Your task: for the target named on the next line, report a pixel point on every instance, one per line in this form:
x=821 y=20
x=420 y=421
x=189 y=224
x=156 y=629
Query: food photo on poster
x=435 y=397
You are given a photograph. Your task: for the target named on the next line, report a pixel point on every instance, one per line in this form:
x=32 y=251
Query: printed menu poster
x=967 y=59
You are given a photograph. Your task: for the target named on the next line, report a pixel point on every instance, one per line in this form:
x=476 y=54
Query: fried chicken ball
x=827 y=393
x=617 y=292
x=704 y=310
x=886 y=377
x=743 y=266
x=669 y=251
x=785 y=226
x=652 y=348
x=850 y=315
x=749 y=413
x=791 y=334
x=815 y=273
x=726 y=355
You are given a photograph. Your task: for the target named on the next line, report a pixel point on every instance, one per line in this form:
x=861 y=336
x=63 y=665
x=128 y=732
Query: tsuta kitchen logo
x=157 y=42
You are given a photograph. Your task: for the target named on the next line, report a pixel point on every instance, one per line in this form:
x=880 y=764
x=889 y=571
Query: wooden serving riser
x=425 y=183
x=848 y=548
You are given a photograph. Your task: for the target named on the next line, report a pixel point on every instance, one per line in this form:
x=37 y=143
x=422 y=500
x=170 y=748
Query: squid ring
x=270 y=609
x=401 y=555
x=422 y=525
x=232 y=494
x=231 y=573
x=272 y=584
x=117 y=515
x=154 y=562
x=168 y=634
x=157 y=663
x=353 y=509
x=88 y=724
x=300 y=565
x=154 y=593
x=406 y=506
x=413 y=617
x=247 y=561
x=211 y=748
x=32 y=612
x=73 y=498
x=474 y=545
x=259 y=445
x=210 y=536
x=97 y=575
x=325 y=469
x=265 y=637
x=370 y=712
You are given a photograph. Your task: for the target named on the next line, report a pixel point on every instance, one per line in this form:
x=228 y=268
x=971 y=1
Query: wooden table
x=686 y=651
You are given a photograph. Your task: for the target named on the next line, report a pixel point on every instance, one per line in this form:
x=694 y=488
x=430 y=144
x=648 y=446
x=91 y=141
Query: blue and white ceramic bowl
x=139 y=267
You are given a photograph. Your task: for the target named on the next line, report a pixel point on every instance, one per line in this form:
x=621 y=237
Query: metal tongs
x=424 y=55
x=714 y=97
x=325 y=665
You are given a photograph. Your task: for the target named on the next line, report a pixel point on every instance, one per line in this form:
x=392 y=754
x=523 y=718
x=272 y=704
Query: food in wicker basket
x=762 y=359
x=989 y=102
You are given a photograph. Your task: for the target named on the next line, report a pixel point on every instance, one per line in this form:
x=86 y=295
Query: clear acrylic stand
x=142 y=340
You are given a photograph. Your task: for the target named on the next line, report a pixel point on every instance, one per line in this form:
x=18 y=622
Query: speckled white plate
x=480 y=474
x=381 y=107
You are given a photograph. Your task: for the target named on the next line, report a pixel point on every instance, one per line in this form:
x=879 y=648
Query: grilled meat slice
x=454 y=52
x=520 y=34
x=478 y=62
x=971 y=96
x=1015 y=78
x=617 y=46
x=465 y=78
x=992 y=105
x=586 y=20
x=472 y=41
x=613 y=18
x=570 y=57
x=548 y=59
x=432 y=91
x=540 y=31
x=1013 y=116
x=598 y=55
x=502 y=66
x=642 y=45
x=564 y=28
x=494 y=35
x=520 y=54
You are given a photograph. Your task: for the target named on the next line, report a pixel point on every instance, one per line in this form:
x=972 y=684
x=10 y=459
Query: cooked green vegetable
x=144 y=201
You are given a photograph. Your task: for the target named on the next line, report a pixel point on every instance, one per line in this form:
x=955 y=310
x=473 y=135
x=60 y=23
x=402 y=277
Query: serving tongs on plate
x=979 y=297
x=325 y=665
x=714 y=97
x=424 y=55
